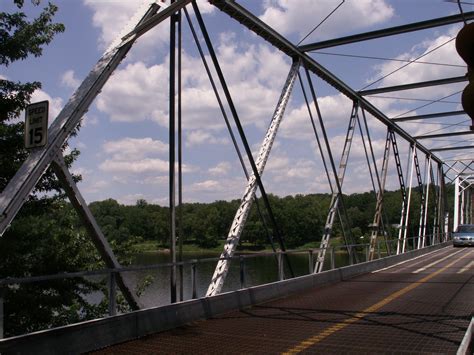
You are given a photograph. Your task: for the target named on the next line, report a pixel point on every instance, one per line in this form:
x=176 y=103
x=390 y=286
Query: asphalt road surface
x=423 y=305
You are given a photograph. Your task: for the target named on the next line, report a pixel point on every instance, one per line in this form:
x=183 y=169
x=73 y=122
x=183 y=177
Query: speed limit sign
x=36 y=124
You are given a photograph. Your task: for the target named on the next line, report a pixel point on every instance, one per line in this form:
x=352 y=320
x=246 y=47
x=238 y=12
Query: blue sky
x=123 y=140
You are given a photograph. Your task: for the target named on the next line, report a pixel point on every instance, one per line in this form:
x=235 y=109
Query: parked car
x=464 y=235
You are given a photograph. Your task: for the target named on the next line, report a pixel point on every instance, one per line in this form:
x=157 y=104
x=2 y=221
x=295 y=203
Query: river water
x=258 y=270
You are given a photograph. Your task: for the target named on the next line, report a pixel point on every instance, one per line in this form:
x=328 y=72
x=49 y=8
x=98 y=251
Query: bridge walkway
x=423 y=305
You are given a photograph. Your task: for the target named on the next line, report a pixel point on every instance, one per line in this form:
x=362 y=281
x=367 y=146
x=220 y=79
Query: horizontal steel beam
x=454 y=148
x=391 y=31
x=427 y=116
x=421 y=84
x=442 y=135
x=256 y=25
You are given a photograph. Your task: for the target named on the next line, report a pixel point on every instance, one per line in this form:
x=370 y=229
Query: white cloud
x=140 y=92
x=112 y=16
x=211 y=189
x=69 y=80
x=207 y=185
x=92 y=187
x=277 y=163
x=155 y=180
x=134 y=148
x=222 y=168
x=89 y=120
x=335 y=111
x=289 y=16
x=137 y=156
x=446 y=53
x=116 y=18
x=288 y=169
x=146 y=165
x=136 y=93
x=203 y=137
x=134 y=155
x=442 y=49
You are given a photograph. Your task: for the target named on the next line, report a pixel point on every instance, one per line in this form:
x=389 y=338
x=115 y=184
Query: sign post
x=36 y=124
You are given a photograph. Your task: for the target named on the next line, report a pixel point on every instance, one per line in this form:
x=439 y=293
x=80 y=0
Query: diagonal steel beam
x=93 y=229
x=242 y=213
x=428 y=116
x=256 y=25
x=391 y=31
x=419 y=85
x=24 y=181
x=337 y=193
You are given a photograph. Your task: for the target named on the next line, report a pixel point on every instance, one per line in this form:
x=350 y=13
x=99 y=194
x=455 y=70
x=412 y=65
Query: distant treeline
x=300 y=218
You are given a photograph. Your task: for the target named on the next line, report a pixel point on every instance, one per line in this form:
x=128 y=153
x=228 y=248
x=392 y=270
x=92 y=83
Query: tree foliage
x=20 y=37
x=301 y=219
x=45 y=237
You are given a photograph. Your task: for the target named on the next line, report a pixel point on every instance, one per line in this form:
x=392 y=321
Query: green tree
x=42 y=243
x=45 y=237
x=19 y=38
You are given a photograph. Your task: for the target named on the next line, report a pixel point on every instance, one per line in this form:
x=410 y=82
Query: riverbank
x=151 y=247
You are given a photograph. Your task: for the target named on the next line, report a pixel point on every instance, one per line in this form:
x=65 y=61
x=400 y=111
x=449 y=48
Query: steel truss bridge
x=428 y=170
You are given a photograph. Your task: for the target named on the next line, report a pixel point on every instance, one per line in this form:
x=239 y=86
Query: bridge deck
x=423 y=305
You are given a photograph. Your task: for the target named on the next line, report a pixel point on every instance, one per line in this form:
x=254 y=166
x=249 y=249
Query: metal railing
x=383 y=249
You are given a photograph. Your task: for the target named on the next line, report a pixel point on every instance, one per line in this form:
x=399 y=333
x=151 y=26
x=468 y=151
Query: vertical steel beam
x=172 y=157
x=444 y=214
x=98 y=238
x=462 y=206
x=456 y=204
x=24 y=181
x=402 y=233
x=112 y=294
x=402 y=185
x=421 y=189
x=379 y=204
x=240 y=218
x=180 y=164
x=468 y=205
x=427 y=198
x=436 y=223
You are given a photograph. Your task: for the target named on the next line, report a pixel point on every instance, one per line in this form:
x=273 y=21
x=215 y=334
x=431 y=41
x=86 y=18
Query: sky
x=124 y=136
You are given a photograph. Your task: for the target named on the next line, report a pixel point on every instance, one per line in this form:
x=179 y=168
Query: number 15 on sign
x=36 y=124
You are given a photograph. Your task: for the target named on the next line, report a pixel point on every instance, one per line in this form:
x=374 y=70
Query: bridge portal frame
x=24 y=181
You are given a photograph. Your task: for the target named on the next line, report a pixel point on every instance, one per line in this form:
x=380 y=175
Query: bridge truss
x=426 y=162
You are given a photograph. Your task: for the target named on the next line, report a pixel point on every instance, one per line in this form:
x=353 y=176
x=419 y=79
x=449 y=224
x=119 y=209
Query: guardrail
x=467 y=344
x=385 y=249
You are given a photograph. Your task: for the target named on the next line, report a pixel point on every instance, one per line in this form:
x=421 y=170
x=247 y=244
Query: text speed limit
x=36 y=124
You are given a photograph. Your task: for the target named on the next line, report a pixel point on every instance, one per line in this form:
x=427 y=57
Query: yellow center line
x=331 y=330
